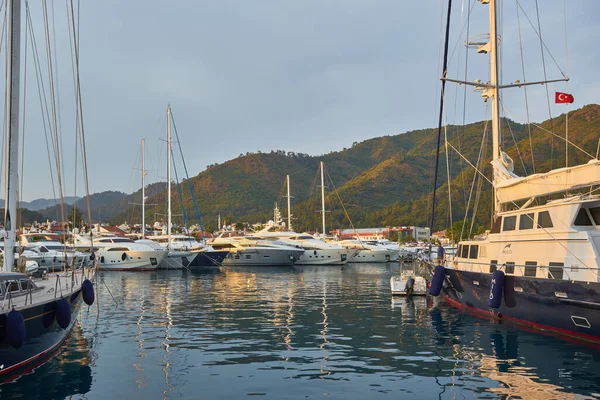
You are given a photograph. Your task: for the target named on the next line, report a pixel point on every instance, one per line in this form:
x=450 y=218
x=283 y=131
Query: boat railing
x=521 y=267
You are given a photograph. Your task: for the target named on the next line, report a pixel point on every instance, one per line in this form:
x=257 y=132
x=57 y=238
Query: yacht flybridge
x=539 y=265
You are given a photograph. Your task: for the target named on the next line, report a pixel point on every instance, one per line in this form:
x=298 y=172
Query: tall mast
x=289 y=204
x=143 y=194
x=323 y=198
x=13 y=48
x=494 y=91
x=169 y=176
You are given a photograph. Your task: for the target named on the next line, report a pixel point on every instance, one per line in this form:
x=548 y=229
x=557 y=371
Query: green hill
x=381 y=181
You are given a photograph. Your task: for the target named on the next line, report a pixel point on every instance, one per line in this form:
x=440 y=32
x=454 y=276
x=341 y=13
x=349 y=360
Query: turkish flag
x=563 y=98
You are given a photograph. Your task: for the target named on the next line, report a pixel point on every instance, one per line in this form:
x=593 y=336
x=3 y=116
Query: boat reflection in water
x=315 y=332
x=67 y=374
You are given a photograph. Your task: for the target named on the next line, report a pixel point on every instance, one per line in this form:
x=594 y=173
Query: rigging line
x=6 y=60
x=42 y=97
x=187 y=175
x=464 y=110
x=469 y=162
x=77 y=125
x=439 y=133
x=478 y=191
x=539 y=34
x=525 y=87
x=54 y=111
x=180 y=195
x=459 y=35
x=79 y=102
x=562 y=138
x=342 y=204
x=448 y=174
x=567 y=85
x=57 y=86
x=23 y=130
x=479 y=158
x=515 y=142
x=546 y=86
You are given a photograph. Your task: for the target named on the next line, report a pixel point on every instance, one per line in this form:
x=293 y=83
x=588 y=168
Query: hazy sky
x=305 y=76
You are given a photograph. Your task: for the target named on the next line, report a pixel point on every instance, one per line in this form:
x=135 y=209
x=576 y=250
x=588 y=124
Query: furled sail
x=510 y=187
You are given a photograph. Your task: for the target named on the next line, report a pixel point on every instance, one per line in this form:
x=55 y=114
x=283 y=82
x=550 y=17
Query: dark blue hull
x=208 y=259
x=40 y=341
x=566 y=308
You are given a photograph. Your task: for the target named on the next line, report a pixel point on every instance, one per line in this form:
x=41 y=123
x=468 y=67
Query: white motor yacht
x=256 y=251
x=316 y=251
x=369 y=253
x=122 y=254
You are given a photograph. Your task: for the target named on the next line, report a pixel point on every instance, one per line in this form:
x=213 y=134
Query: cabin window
x=510 y=267
x=473 y=251
x=26 y=284
x=496 y=226
x=526 y=221
x=493 y=265
x=465 y=251
x=13 y=286
x=43 y=249
x=459 y=250
x=118 y=249
x=544 y=220
x=595 y=211
x=530 y=268
x=555 y=270
x=582 y=218
x=510 y=223
x=248 y=256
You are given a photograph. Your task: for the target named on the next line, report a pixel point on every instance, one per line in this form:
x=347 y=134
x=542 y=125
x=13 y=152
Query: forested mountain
x=382 y=181
x=385 y=181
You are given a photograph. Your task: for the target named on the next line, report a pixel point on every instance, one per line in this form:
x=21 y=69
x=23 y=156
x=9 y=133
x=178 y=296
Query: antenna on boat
x=13 y=44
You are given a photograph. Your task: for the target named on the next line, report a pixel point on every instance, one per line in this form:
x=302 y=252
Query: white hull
x=372 y=256
x=398 y=285
x=130 y=260
x=325 y=257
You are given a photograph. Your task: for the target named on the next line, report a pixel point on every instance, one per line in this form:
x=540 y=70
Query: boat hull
x=207 y=259
x=261 y=257
x=176 y=260
x=565 y=308
x=40 y=342
x=368 y=256
x=130 y=260
x=324 y=257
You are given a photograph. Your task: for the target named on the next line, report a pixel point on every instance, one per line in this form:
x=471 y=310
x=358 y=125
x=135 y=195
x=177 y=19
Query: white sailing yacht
x=538 y=267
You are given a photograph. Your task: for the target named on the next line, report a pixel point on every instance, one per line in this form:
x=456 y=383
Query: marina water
x=310 y=333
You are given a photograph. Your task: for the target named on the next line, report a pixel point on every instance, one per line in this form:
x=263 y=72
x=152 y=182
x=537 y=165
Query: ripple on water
x=311 y=333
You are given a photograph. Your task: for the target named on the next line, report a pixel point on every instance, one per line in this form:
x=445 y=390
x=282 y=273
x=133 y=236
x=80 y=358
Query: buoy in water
x=87 y=289
x=63 y=313
x=15 y=329
x=49 y=313
x=437 y=281
x=496 y=289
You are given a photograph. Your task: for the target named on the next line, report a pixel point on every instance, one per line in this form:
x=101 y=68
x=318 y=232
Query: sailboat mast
x=323 y=198
x=289 y=204
x=494 y=91
x=143 y=193
x=169 y=176
x=13 y=49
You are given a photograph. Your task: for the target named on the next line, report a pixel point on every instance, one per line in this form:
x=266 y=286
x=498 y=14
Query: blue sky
x=305 y=76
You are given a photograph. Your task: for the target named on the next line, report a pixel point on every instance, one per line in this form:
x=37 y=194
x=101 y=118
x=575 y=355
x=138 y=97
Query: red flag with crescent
x=563 y=98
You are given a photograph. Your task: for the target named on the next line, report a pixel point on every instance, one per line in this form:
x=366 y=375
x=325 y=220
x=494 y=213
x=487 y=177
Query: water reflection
x=299 y=333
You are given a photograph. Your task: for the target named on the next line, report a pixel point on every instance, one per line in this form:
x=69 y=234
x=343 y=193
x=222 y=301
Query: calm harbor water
x=310 y=333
